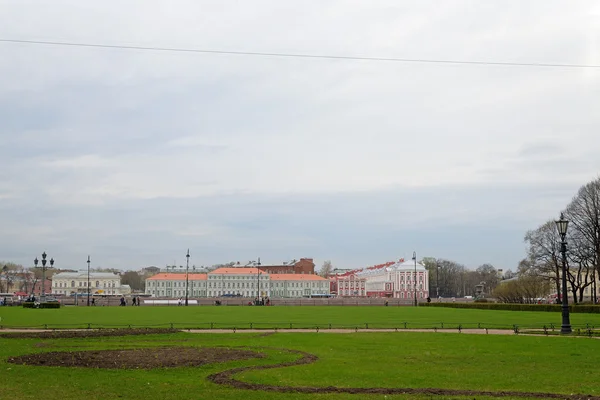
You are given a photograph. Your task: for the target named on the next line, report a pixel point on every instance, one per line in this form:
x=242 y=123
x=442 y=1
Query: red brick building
x=305 y=266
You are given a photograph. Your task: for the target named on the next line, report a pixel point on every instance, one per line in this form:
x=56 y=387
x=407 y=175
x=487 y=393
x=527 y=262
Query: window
x=97 y=283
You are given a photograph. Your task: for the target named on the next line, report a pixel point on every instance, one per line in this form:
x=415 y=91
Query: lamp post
x=437 y=279
x=562 y=225
x=88 y=282
x=44 y=261
x=187 y=268
x=414 y=257
x=258 y=280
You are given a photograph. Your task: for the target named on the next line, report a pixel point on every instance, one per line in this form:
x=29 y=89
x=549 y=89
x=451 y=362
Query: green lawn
x=451 y=361
x=282 y=317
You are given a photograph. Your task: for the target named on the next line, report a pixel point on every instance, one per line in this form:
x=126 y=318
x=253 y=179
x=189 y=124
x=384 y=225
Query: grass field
x=282 y=317
x=388 y=360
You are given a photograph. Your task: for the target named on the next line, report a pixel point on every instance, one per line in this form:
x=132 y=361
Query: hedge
x=30 y=304
x=519 y=307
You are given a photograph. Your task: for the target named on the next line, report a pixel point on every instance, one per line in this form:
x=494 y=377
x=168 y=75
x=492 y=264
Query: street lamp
x=562 y=225
x=187 y=268
x=437 y=278
x=44 y=261
x=258 y=280
x=88 y=283
x=414 y=257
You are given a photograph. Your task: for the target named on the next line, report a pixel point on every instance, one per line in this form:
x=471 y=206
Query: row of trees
x=16 y=278
x=544 y=261
x=450 y=279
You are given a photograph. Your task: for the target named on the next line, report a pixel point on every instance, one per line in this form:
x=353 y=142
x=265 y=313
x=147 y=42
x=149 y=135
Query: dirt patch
x=148 y=358
x=226 y=378
x=84 y=333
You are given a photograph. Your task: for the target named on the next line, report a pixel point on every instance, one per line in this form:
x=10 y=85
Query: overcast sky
x=135 y=156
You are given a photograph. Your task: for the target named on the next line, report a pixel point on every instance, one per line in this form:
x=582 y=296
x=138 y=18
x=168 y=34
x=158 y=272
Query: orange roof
x=296 y=277
x=177 y=277
x=240 y=270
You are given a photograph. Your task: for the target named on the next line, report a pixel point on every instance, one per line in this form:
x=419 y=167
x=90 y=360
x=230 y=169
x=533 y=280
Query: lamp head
x=562 y=225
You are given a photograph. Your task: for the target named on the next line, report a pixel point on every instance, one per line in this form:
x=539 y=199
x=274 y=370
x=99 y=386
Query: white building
x=236 y=281
x=296 y=285
x=173 y=285
x=399 y=280
x=245 y=282
x=109 y=283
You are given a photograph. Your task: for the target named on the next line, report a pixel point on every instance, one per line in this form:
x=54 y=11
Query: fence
x=547 y=328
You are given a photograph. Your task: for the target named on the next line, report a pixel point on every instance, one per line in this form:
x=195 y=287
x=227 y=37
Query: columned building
x=106 y=283
x=173 y=285
x=400 y=280
x=243 y=282
x=396 y=279
x=246 y=282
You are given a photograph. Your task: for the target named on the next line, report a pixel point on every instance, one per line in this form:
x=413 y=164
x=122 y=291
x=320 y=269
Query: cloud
x=132 y=155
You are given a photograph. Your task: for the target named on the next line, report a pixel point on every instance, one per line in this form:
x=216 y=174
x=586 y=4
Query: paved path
x=322 y=330
x=325 y=330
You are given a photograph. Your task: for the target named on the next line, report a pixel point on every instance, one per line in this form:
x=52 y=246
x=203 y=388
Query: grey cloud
x=133 y=156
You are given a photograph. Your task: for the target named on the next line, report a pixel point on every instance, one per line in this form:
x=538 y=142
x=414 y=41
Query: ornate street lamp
x=414 y=257
x=561 y=225
x=44 y=261
x=187 y=268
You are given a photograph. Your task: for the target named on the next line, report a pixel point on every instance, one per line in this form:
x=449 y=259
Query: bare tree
x=10 y=276
x=527 y=289
x=326 y=269
x=584 y=214
x=451 y=278
x=543 y=255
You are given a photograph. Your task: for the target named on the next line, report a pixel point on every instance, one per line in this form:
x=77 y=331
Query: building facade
x=173 y=285
x=402 y=280
x=246 y=282
x=103 y=283
x=396 y=279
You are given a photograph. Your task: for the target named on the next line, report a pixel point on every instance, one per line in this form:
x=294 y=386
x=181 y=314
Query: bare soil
x=83 y=333
x=148 y=358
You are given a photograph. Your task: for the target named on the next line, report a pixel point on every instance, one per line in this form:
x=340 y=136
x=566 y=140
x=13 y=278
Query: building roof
x=163 y=276
x=296 y=277
x=84 y=274
x=239 y=270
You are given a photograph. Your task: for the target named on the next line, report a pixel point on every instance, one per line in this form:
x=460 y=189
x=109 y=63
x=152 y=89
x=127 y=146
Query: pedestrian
x=133 y=301
x=93 y=301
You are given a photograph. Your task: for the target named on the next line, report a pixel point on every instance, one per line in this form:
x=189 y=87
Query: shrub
x=518 y=307
x=482 y=301
x=31 y=304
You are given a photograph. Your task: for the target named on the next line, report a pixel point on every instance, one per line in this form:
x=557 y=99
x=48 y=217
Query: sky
x=134 y=156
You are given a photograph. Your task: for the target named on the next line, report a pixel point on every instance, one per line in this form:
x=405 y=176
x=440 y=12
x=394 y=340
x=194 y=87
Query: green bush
x=49 y=305
x=519 y=307
x=31 y=304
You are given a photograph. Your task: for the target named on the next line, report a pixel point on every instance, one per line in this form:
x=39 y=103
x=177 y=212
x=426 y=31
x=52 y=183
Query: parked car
x=52 y=300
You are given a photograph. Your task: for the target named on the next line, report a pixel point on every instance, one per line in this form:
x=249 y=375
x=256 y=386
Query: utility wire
x=298 y=55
